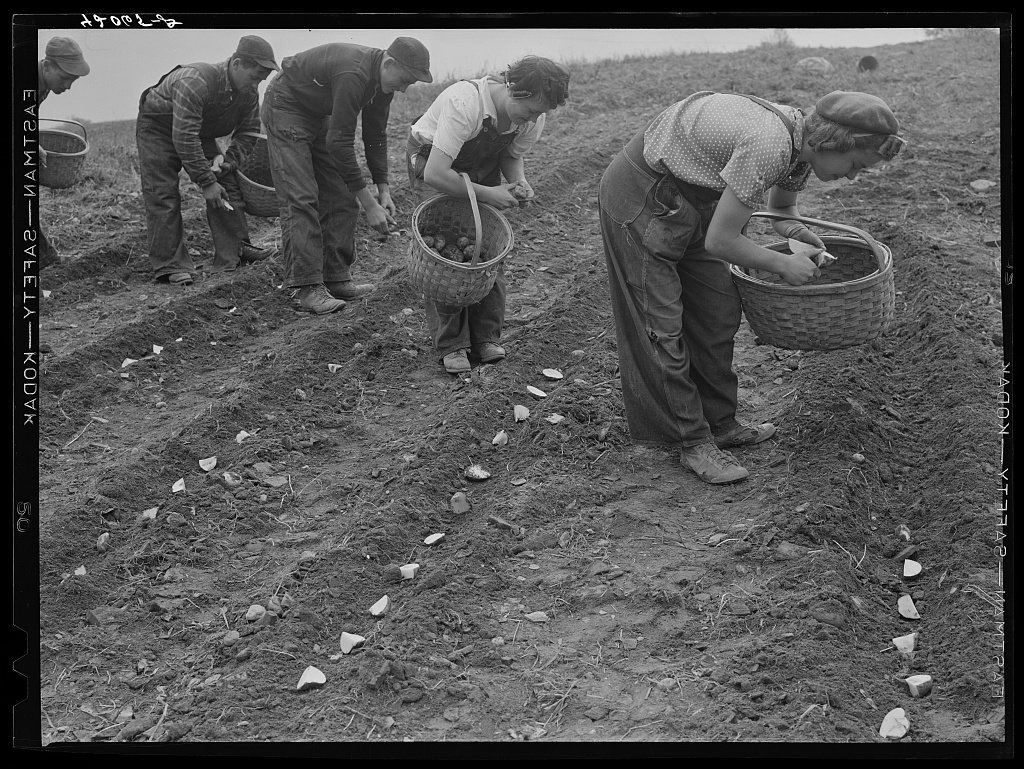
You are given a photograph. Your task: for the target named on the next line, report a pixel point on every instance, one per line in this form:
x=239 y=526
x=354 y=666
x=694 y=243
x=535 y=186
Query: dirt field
x=595 y=590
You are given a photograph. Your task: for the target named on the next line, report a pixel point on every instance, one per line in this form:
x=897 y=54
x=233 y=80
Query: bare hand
x=217 y=197
x=380 y=220
x=798 y=269
x=384 y=198
x=500 y=197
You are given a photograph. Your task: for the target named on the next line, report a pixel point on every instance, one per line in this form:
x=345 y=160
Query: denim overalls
x=676 y=308
x=453 y=327
x=159 y=165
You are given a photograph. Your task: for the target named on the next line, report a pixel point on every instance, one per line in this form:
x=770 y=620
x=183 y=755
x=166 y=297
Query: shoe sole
x=314 y=311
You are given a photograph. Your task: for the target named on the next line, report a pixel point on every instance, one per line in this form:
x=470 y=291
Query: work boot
x=488 y=352
x=249 y=253
x=317 y=299
x=457 y=362
x=180 y=279
x=745 y=435
x=712 y=464
x=346 y=289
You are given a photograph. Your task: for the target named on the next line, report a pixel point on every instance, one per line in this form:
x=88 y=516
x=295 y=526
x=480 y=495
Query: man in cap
x=180 y=120
x=62 y=64
x=310 y=112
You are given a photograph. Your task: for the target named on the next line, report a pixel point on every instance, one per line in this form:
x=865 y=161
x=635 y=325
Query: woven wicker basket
x=450 y=282
x=256 y=182
x=65 y=155
x=851 y=303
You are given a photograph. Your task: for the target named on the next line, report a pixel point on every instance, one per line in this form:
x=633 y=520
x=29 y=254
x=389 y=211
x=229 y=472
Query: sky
x=126 y=61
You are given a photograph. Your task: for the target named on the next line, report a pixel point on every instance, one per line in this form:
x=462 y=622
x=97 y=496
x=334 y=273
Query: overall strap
x=782 y=116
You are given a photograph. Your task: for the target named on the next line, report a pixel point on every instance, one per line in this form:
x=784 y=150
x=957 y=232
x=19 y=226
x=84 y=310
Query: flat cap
x=861 y=111
x=413 y=55
x=257 y=48
x=65 y=53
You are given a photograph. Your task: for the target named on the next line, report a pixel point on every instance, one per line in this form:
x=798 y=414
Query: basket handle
x=85 y=135
x=872 y=243
x=476 y=218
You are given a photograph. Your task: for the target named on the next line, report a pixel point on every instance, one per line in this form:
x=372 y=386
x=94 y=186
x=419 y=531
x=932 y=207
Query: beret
x=66 y=54
x=861 y=111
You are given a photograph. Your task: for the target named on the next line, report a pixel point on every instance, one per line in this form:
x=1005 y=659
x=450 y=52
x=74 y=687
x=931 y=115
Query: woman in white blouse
x=673 y=207
x=483 y=128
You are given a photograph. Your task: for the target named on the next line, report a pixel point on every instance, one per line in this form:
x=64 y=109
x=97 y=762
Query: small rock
x=176 y=519
x=739 y=608
x=255 y=613
x=460 y=503
x=919 y=685
x=230 y=638
x=790 y=551
x=903 y=531
x=858 y=458
x=911 y=569
x=311 y=678
x=537 y=616
x=981 y=185
x=498 y=640
x=536 y=392
x=895 y=724
x=433 y=539
x=552 y=373
x=103 y=542
x=104 y=615
x=667 y=684
x=521 y=413
x=578 y=353
x=243 y=654
x=500 y=439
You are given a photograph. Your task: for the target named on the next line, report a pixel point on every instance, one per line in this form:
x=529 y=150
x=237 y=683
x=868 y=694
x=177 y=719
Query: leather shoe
x=346 y=289
x=713 y=465
x=488 y=352
x=457 y=362
x=745 y=435
x=249 y=253
x=318 y=300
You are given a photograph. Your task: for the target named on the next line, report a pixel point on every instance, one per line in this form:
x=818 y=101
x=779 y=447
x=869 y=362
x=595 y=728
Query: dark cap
x=413 y=55
x=258 y=49
x=65 y=53
x=861 y=111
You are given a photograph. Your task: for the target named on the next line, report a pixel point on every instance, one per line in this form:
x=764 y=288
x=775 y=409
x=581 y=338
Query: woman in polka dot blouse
x=673 y=204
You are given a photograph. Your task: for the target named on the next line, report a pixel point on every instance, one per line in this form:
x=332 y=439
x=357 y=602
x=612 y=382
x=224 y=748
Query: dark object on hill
x=867 y=64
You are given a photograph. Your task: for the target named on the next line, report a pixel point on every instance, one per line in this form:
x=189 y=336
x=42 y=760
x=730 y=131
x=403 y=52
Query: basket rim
x=425 y=249
x=254 y=184
x=57 y=153
x=843 y=286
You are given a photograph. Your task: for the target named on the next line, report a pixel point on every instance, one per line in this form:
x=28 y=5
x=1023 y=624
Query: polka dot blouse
x=716 y=140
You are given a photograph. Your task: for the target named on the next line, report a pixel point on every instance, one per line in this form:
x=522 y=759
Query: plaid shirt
x=185 y=95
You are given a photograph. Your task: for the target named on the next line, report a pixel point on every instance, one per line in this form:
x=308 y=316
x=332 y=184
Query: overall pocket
x=669 y=224
x=623 y=191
